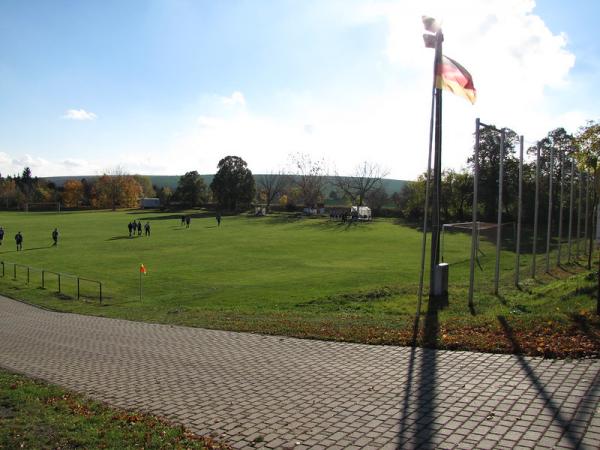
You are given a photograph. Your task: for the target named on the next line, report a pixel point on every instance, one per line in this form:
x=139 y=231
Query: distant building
x=149 y=203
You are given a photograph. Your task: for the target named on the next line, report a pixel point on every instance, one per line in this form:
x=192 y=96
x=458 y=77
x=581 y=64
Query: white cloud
x=79 y=114
x=209 y=122
x=236 y=99
x=515 y=59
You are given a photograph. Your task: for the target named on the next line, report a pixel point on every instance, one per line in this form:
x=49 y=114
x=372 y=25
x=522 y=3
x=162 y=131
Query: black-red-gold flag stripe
x=453 y=77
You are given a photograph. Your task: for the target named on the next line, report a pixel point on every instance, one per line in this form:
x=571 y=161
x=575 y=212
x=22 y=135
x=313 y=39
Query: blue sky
x=164 y=87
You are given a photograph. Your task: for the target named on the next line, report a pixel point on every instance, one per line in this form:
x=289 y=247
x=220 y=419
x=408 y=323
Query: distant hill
x=389 y=184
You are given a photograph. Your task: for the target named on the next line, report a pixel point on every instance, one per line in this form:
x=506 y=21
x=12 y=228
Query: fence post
x=77 y=288
x=499 y=229
x=549 y=220
x=27 y=274
x=100 y=292
x=519 y=213
x=535 y=212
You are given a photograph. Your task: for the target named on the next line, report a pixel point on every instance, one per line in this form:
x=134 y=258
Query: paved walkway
x=291 y=393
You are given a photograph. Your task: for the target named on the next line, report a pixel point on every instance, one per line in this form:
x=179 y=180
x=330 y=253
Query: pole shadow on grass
x=549 y=404
x=37 y=248
x=420 y=388
x=175 y=217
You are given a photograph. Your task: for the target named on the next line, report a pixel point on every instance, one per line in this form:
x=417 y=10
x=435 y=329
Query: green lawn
x=35 y=415
x=303 y=277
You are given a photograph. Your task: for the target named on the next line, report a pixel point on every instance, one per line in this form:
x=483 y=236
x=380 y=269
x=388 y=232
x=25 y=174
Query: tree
x=411 y=199
x=377 y=198
x=271 y=185
x=367 y=177
x=26 y=184
x=588 y=143
x=88 y=191
x=73 y=193
x=489 y=165
x=146 y=184
x=8 y=191
x=116 y=189
x=310 y=178
x=165 y=194
x=191 y=189
x=233 y=185
x=131 y=192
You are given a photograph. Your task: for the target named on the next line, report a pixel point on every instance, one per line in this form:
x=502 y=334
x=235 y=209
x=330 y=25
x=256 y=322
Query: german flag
x=143 y=269
x=453 y=77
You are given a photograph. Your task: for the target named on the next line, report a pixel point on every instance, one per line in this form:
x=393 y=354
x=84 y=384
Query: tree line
x=233 y=188
x=573 y=156
x=308 y=182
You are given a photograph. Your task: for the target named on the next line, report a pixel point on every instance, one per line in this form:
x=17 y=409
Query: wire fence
x=50 y=279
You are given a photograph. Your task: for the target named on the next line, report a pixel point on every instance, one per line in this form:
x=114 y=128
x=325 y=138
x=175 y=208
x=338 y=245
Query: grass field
x=36 y=415
x=302 y=277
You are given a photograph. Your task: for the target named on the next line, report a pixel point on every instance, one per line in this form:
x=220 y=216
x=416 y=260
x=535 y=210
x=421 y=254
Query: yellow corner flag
x=143 y=269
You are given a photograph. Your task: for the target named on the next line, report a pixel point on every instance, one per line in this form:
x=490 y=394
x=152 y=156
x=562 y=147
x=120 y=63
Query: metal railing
x=59 y=277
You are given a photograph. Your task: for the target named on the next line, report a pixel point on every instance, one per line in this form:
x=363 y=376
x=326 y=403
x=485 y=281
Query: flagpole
x=426 y=210
x=437 y=169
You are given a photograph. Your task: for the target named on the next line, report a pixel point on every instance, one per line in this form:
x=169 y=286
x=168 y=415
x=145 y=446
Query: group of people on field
x=185 y=220
x=19 y=238
x=136 y=227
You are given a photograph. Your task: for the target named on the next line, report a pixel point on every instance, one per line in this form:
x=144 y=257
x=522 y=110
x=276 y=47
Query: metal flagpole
x=570 y=212
x=579 y=202
x=437 y=171
x=474 y=229
x=499 y=229
x=519 y=213
x=561 y=201
x=535 y=211
x=425 y=211
x=549 y=225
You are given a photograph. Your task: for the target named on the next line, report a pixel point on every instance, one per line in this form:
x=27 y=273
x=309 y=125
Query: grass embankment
x=36 y=415
x=299 y=277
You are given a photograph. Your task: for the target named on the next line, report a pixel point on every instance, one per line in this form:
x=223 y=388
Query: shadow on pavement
x=549 y=404
x=423 y=388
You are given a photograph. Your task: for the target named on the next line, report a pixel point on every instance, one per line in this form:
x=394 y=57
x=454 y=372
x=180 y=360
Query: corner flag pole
x=142 y=272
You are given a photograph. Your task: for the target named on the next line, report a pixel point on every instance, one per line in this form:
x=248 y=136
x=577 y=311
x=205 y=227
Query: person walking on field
x=147 y=229
x=182 y=220
x=19 y=241
x=130 y=228
x=218 y=219
x=139 y=228
x=55 y=236
x=1 y=235
x=187 y=221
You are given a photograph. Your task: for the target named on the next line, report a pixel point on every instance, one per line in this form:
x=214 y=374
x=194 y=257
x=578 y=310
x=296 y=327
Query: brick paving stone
x=323 y=394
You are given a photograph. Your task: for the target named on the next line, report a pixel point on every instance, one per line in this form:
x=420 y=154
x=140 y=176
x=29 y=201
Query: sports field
x=279 y=274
